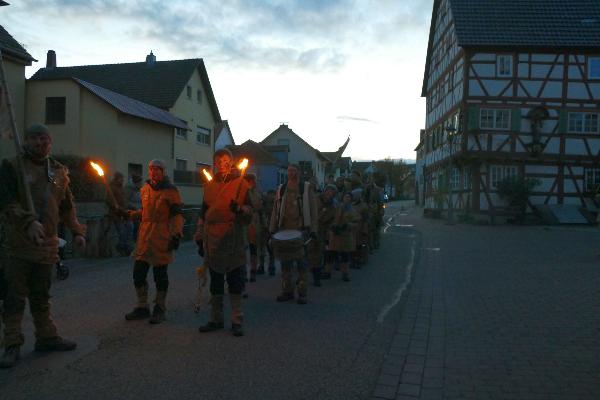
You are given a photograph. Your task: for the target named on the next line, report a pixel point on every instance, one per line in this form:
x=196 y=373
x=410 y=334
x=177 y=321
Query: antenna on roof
x=284 y=123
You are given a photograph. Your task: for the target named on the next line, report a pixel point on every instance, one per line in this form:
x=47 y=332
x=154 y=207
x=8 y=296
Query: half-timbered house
x=512 y=91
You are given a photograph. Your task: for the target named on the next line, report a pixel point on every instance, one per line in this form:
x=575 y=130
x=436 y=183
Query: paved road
x=498 y=312
x=332 y=348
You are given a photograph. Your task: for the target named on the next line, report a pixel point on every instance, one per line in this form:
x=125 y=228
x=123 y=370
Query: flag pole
x=17 y=139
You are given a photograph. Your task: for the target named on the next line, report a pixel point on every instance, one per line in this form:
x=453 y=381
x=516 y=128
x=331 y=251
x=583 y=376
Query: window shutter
x=516 y=120
x=563 y=116
x=473 y=124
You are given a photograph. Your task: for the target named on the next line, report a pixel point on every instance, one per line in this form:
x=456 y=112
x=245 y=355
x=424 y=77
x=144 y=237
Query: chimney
x=51 y=59
x=150 y=59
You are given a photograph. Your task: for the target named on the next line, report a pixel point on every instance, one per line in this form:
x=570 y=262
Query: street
x=441 y=312
x=331 y=348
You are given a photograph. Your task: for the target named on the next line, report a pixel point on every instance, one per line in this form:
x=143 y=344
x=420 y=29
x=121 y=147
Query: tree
x=516 y=192
x=396 y=175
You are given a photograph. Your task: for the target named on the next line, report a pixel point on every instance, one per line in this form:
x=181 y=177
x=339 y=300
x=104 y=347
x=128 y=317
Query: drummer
x=295 y=209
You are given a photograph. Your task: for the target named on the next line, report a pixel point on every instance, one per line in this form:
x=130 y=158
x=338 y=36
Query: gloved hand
x=174 y=242
x=234 y=207
x=200 y=244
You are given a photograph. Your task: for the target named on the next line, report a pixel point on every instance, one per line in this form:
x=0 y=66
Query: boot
x=10 y=357
x=345 y=272
x=253 y=268
x=158 y=314
x=237 y=315
x=216 y=315
x=55 y=343
x=141 y=311
x=285 y=296
x=261 y=265
x=316 y=273
x=271 y=266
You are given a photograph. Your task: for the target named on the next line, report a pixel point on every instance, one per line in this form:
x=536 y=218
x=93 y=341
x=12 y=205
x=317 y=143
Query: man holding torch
x=160 y=232
x=32 y=240
x=225 y=212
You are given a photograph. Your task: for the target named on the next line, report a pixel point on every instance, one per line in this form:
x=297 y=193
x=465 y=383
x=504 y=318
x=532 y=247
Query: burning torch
x=109 y=193
x=242 y=167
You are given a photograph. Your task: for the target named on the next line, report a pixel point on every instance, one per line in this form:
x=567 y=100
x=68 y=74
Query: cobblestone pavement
x=497 y=312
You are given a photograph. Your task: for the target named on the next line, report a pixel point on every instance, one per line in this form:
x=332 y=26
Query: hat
x=221 y=152
x=331 y=187
x=37 y=129
x=157 y=163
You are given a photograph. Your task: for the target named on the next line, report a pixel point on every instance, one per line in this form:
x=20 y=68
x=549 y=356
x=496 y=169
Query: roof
x=220 y=128
x=505 y=24
x=361 y=165
x=10 y=47
x=272 y=148
x=283 y=128
x=159 y=83
x=255 y=152
x=133 y=107
x=3 y=3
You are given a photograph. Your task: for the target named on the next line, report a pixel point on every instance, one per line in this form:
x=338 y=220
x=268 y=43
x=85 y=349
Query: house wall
x=15 y=80
x=195 y=114
x=300 y=151
x=224 y=139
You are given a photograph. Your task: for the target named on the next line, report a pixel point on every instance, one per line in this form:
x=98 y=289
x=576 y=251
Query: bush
x=516 y=192
x=85 y=184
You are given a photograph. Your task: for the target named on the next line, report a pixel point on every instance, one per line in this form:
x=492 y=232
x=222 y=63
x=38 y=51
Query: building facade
x=512 y=93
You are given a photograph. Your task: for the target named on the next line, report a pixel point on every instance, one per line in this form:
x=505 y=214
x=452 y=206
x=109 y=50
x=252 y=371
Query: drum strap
x=300 y=201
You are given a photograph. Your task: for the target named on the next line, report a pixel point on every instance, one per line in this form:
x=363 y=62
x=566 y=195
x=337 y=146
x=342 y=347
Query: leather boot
x=316 y=273
x=237 y=315
x=54 y=344
x=158 y=314
x=253 y=262
x=141 y=310
x=10 y=357
x=216 y=315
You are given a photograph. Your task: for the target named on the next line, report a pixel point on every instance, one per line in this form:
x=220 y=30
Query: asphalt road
x=331 y=348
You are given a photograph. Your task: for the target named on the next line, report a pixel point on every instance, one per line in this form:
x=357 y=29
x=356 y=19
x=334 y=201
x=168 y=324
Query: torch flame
x=243 y=164
x=207 y=175
x=98 y=168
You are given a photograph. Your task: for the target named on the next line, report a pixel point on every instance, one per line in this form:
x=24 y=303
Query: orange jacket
x=162 y=219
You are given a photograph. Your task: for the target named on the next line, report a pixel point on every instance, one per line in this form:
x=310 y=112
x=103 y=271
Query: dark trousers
x=235 y=281
x=140 y=272
x=27 y=281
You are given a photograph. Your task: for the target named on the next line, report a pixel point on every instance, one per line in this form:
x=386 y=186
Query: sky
x=329 y=69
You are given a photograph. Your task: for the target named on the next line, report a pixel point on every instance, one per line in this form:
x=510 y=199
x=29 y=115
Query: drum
x=288 y=245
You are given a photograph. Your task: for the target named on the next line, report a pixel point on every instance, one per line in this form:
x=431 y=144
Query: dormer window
x=594 y=67
x=504 y=66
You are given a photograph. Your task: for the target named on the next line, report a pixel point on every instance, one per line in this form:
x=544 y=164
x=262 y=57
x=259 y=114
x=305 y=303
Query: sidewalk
x=498 y=312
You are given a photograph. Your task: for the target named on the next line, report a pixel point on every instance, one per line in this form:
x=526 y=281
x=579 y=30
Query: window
x=581 y=122
x=494 y=119
x=455 y=178
x=199 y=96
x=180 y=164
x=504 y=66
x=202 y=135
x=189 y=91
x=467 y=178
x=498 y=173
x=591 y=179
x=56 y=110
x=181 y=133
x=285 y=142
x=594 y=67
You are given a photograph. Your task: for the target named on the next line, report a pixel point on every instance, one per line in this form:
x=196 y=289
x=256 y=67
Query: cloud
x=310 y=35
x=357 y=119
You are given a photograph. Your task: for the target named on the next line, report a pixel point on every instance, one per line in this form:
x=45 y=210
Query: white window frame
x=593 y=67
x=591 y=179
x=202 y=135
x=583 y=122
x=494 y=113
x=466 y=178
x=498 y=173
x=181 y=133
x=504 y=66
x=455 y=178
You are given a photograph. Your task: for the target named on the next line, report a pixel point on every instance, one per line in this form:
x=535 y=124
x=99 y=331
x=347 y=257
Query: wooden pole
x=17 y=139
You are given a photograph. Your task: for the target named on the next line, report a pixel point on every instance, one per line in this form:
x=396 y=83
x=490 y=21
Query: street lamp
x=450 y=135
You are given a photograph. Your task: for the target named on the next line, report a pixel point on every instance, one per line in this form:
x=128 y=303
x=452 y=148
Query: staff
x=109 y=193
